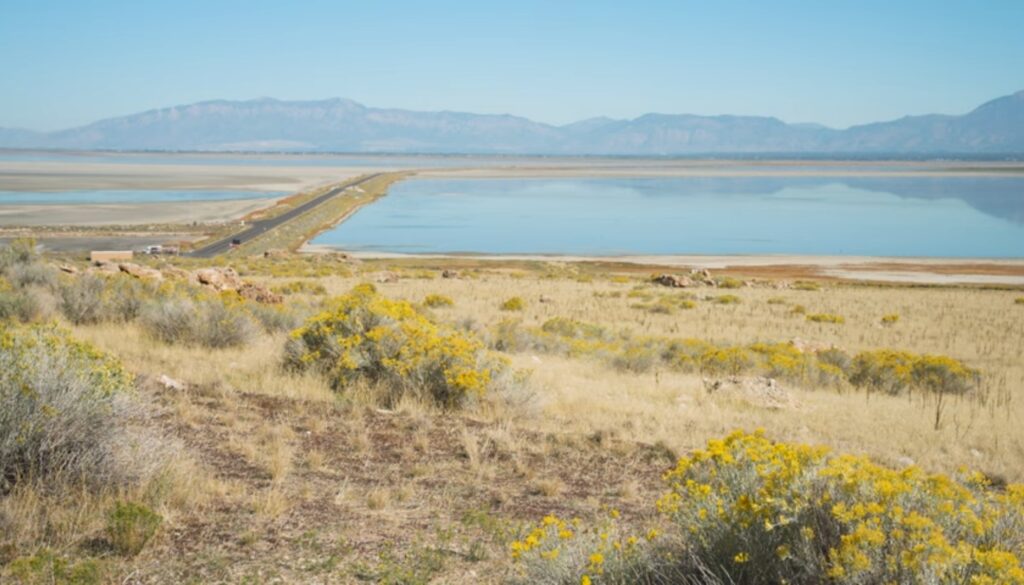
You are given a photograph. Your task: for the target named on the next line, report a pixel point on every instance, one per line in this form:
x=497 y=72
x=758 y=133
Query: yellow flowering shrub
x=363 y=335
x=894 y=372
x=890 y=319
x=749 y=510
x=800 y=514
x=560 y=551
x=574 y=338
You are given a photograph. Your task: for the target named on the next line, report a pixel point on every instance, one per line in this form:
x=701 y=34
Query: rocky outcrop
x=143 y=272
x=672 y=281
x=757 y=390
x=260 y=294
x=219 y=279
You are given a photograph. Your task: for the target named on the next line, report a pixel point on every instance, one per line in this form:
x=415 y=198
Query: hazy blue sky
x=830 y=61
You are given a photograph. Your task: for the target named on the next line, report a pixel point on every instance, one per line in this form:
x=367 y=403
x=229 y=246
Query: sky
x=835 y=62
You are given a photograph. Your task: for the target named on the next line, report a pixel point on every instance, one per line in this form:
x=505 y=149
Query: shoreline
x=892 y=269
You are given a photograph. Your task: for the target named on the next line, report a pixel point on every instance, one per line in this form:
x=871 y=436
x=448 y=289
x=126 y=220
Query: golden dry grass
x=280 y=461
x=978 y=326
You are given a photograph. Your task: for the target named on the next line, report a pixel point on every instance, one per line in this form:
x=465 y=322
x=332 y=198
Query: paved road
x=262 y=226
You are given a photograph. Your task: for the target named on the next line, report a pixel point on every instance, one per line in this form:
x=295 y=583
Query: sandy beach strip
x=981 y=271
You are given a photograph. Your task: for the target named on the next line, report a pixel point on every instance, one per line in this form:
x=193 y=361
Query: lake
x=903 y=216
x=127 y=196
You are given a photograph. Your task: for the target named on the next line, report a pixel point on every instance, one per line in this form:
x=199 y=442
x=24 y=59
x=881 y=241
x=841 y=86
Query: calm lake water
x=126 y=196
x=946 y=217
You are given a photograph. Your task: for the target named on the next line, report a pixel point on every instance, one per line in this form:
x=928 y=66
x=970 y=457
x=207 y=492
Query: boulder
x=219 y=278
x=175 y=273
x=170 y=383
x=260 y=294
x=140 y=271
x=757 y=390
x=105 y=267
x=701 y=273
x=673 y=281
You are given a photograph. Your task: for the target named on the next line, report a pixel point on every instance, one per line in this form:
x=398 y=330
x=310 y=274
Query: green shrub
x=18 y=252
x=82 y=300
x=301 y=287
x=206 y=322
x=37 y=274
x=572 y=328
x=729 y=282
x=47 y=568
x=806 y=285
x=798 y=310
x=1019 y=301
x=513 y=304
x=61 y=407
x=726 y=300
x=891 y=319
x=826 y=318
x=776 y=301
x=435 y=301
x=636 y=357
x=276 y=318
x=22 y=305
x=130 y=526
x=363 y=335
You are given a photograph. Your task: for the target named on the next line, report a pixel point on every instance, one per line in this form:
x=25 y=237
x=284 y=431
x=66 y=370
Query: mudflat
x=65 y=176
x=100 y=214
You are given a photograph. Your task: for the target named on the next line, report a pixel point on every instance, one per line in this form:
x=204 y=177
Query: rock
x=107 y=267
x=447 y=273
x=757 y=390
x=140 y=271
x=170 y=383
x=219 y=278
x=701 y=273
x=275 y=253
x=672 y=281
x=68 y=269
x=385 y=277
x=175 y=272
x=260 y=294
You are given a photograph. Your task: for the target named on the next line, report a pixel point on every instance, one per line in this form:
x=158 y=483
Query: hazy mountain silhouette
x=340 y=125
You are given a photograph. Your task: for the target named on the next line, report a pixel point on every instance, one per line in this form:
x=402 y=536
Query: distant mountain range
x=341 y=125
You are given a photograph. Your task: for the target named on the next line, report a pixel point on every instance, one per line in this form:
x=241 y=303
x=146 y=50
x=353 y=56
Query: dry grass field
x=269 y=475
